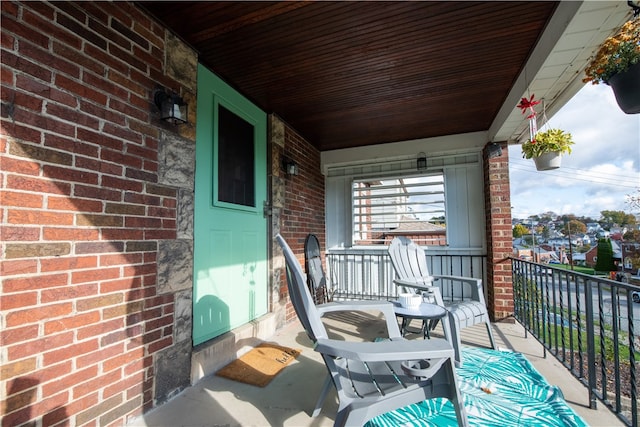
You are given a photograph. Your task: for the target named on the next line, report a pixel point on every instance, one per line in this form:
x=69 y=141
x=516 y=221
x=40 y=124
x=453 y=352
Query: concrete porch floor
x=289 y=399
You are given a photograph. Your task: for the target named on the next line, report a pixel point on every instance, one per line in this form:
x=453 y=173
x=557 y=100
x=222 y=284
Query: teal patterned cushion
x=499 y=388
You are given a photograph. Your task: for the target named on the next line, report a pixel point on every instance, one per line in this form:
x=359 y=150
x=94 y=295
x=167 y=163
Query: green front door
x=230 y=230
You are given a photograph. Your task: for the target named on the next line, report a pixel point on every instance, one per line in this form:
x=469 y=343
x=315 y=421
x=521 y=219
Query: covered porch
x=100 y=270
x=289 y=399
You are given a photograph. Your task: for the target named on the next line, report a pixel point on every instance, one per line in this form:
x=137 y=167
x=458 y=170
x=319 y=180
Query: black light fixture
x=494 y=150
x=289 y=166
x=421 y=163
x=172 y=107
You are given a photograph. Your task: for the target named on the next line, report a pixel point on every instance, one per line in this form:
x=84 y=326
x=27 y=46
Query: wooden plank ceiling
x=348 y=74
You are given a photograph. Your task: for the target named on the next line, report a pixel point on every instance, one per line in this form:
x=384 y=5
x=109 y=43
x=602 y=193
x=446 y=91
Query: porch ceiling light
x=421 y=163
x=172 y=107
x=494 y=150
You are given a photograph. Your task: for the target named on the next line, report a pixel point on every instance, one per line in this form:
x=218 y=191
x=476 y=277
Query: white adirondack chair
x=464 y=299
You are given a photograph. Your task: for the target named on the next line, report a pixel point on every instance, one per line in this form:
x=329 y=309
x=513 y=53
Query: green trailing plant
x=548 y=141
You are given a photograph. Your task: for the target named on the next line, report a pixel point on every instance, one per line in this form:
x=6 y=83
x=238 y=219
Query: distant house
x=579 y=259
x=591 y=257
x=422 y=232
x=520 y=241
x=543 y=256
x=593 y=227
x=617 y=236
x=547 y=247
x=557 y=243
x=522 y=252
x=630 y=251
x=537 y=254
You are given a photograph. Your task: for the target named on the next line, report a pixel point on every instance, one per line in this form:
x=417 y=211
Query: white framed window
x=412 y=206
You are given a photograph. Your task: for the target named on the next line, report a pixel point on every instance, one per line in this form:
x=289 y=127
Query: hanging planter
x=548 y=161
x=544 y=147
x=547 y=147
x=626 y=88
x=617 y=63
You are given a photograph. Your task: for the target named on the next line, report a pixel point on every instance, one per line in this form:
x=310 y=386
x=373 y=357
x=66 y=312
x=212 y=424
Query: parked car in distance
x=622 y=277
x=628 y=278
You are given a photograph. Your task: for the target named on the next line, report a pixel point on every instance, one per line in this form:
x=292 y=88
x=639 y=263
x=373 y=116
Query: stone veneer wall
x=499 y=234
x=297 y=205
x=97 y=209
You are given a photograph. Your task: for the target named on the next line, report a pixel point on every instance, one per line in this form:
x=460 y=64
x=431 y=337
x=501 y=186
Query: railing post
x=632 y=363
x=591 y=346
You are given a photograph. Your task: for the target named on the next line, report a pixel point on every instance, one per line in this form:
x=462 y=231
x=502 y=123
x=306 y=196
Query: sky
x=603 y=168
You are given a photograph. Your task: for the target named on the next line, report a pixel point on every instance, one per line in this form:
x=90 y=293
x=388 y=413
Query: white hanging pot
x=548 y=161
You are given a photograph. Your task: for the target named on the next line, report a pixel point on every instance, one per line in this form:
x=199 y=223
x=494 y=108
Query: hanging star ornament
x=528 y=104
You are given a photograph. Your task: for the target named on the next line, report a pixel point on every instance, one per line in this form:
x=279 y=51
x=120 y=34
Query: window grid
x=410 y=206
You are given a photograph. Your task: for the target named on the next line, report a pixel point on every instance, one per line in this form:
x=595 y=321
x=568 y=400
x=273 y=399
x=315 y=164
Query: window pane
x=412 y=206
x=236 y=183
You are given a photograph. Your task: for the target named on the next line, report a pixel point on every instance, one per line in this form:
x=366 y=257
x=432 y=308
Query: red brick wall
x=304 y=194
x=303 y=211
x=499 y=235
x=82 y=212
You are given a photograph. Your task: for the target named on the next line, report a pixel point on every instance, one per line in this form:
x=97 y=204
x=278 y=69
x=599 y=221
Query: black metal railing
x=588 y=323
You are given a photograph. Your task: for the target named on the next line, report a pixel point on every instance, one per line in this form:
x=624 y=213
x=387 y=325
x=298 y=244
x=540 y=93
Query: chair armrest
x=474 y=284
x=415 y=282
x=385 y=307
x=385 y=351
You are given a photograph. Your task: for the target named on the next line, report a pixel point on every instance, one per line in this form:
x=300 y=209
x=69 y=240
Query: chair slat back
x=408 y=258
x=300 y=296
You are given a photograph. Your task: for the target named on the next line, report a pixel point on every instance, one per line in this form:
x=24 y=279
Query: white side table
x=425 y=312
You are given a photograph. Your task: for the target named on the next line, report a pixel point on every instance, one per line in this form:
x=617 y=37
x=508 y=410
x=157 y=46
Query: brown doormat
x=260 y=365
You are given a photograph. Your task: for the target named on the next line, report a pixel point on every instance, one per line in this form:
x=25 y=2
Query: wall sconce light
x=421 y=163
x=172 y=107
x=494 y=150
x=289 y=166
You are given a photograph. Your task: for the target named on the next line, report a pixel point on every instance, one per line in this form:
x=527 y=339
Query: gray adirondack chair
x=462 y=296
x=372 y=378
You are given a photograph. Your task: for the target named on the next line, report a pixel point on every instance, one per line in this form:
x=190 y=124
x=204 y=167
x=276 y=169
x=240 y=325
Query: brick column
x=298 y=205
x=499 y=234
